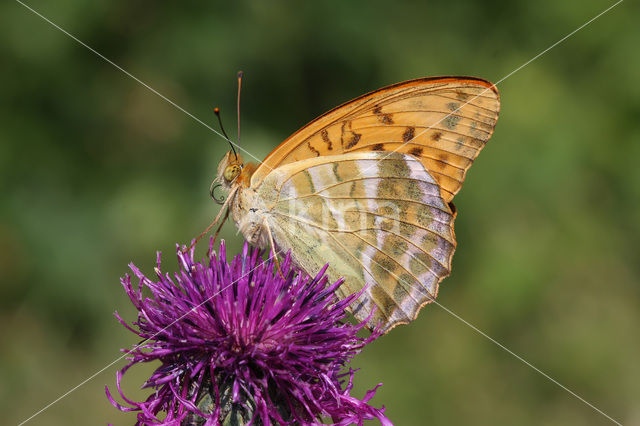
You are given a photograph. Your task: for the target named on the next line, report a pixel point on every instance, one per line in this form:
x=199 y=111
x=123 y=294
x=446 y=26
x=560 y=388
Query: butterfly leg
x=225 y=209
x=273 y=248
x=224 y=219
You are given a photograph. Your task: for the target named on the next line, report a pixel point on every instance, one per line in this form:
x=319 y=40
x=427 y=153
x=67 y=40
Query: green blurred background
x=96 y=171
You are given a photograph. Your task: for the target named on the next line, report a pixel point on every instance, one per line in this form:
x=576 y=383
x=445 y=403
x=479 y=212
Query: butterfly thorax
x=248 y=211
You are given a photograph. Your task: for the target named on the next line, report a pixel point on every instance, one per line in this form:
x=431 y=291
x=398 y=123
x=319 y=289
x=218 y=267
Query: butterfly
x=367 y=188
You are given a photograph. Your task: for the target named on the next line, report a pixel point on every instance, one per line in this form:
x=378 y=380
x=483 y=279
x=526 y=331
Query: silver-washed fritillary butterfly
x=368 y=189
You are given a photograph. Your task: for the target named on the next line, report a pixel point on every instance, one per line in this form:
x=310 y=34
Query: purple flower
x=243 y=344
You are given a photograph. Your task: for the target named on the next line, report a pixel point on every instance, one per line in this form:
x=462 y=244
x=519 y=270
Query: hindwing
x=378 y=219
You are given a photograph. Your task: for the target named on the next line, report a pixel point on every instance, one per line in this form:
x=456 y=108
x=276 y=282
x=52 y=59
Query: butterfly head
x=229 y=168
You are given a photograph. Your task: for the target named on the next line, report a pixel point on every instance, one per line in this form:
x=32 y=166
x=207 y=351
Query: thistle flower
x=243 y=344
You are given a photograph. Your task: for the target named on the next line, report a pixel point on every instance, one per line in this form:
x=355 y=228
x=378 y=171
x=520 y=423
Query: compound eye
x=231 y=172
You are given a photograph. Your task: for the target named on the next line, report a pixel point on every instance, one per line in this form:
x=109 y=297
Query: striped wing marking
x=377 y=218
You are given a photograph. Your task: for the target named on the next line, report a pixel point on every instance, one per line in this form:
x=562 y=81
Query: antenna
x=240 y=74
x=216 y=111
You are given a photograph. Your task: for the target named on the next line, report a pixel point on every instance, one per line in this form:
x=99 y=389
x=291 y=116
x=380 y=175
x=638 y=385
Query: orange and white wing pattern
x=442 y=121
x=377 y=218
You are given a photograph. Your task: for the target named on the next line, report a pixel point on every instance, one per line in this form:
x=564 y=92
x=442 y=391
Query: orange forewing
x=442 y=121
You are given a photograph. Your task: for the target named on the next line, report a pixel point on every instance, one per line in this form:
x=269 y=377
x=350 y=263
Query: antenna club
x=216 y=110
x=240 y=74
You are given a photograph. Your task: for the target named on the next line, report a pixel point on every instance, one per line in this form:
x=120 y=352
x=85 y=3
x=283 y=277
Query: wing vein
x=439 y=124
x=382 y=311
x=345 y=182
x=395 y=276
x=422 y=155
x=377 y=198
x=344 y=231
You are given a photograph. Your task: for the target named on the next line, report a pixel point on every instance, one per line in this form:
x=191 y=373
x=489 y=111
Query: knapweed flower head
x=244 y=344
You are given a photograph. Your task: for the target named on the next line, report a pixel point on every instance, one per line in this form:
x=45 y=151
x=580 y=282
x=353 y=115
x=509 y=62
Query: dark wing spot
x=453 y=106
x=451 y=121
x=408 y=134
x=453 y=208
x=377 y=147
x=325 y=137
x=442 y=163
x=461 y=95
x=315 y=151
x=383 y=118
x=354 y=187
x=436 y=136
x=416 y=151
x=354 y=140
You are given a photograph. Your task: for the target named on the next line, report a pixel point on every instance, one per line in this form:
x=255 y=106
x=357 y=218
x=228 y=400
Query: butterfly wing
x=377 y=218
x=443 y=121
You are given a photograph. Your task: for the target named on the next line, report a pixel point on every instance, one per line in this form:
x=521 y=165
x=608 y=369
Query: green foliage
x=97 y=171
